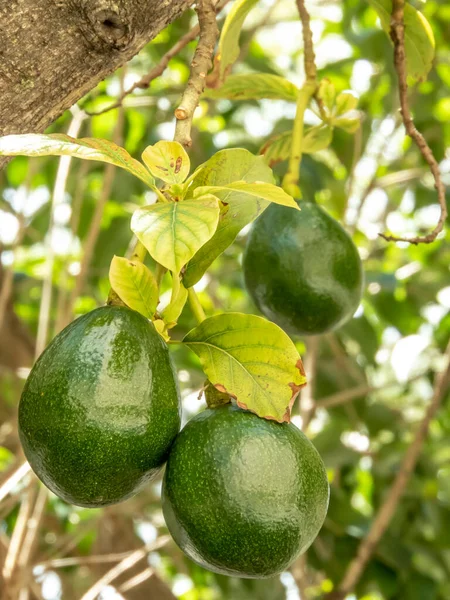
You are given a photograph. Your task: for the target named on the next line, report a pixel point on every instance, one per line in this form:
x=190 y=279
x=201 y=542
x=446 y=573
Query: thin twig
x=309 y=56
x=398 y=37
x=15 y=478
x=136 y=580
x=58 y=197
x=307 y=403
x=18 y=533
x=72 y=561
x=96 y=222
x=123 y=566
x=387 y=510
x=201 y=64
x=159 y=69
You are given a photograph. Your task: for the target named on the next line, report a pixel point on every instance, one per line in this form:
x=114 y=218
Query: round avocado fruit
x=100 y=408
x=302 y=269
x=243 y=496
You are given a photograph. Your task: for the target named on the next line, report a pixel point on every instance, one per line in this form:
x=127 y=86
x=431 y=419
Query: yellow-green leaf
x=345 y=102
x=419 y=37
x=327 y=93
x=251 y=359
x=58 y=144
x=172 y=232
x=228 y=50
x=255 y=86
x=135 y=285
x=167 y=161
x=262 y=191
x=347 y=124
x=240 y=209
x=277 y=149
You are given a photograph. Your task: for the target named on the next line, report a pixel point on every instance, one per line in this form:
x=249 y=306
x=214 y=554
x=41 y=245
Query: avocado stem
x=292 y=178
x=195 y=305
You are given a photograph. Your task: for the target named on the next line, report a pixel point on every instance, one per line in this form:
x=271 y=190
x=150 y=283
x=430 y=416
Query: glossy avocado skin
x=243 y=496
x=100 y=408
x=302 y=269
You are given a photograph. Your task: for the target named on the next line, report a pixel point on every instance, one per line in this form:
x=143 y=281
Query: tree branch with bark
x=201 y=64
x=397 y=34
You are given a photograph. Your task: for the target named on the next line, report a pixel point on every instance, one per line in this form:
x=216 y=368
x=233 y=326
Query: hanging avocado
x=302 y=269
x=100 y=408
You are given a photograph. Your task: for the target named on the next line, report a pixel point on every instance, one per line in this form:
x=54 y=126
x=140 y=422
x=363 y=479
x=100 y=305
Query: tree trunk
x=54 y=51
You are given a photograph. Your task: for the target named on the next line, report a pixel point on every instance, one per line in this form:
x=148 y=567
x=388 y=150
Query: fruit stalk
x=195 y=305
x=291 y=179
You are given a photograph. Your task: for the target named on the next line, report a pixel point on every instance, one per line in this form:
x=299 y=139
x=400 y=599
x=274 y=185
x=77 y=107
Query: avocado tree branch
x=201 y=64
x=388 y=508
x=68 y=47
x=159 y=69
x=397 y=34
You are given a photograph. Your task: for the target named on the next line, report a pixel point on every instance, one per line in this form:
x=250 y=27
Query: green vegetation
x=243 y=496
x=100 y=408
x=303 y=270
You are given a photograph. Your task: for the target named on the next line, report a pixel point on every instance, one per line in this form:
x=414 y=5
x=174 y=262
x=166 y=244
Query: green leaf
x=251 y=359
x=255 y=86
x=419 y=37
x=223 y=168
x=278 y=148
x=345 y=102
x=172 y=232
x=177 y=301
x=317 y=138
x=228 y=50
x=327 y=93
x=262 y=191
x=167 y=161
x=348 y=125
x=135 y=285
x=58 y=144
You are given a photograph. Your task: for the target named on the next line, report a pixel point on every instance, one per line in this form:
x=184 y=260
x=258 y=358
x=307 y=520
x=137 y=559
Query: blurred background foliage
x=370 y=381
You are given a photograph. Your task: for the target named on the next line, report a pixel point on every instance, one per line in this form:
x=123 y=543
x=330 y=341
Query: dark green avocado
x=100 y=408
x=302 y=269
x=243 y=496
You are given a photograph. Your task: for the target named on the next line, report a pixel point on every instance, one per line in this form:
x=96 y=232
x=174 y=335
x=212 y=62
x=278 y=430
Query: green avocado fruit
x=243 y=496
x=100 y=408
x=302 y=269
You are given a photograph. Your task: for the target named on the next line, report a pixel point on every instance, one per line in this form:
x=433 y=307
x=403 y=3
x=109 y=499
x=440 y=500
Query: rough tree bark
x=54 y=51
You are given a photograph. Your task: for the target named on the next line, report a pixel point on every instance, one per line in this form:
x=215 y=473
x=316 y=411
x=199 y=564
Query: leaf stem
x=195 y=305
x=138 y=252
x=291 y=179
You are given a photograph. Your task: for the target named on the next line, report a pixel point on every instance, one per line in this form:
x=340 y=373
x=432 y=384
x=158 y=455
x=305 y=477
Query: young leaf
x=172 y=232
x=167 y=161
x=350 y=125
x=327 y=93
x=177 y=301
x=255 y=86
x=278 y=148
x=58 y=144
x=135 y=285
x=228 y=50
x=419 y=37
x=251 y=359
x=345 y=102
x=262 y=191
x=225 y=167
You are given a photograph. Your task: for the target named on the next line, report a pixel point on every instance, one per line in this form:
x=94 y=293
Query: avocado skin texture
x=243 y=496
x=100 y=408
x=302 y=269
